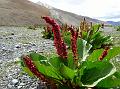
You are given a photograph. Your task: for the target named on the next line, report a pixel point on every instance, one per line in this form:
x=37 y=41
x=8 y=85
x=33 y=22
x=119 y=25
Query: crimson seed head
x=28 y=62
x=104 y=54
x=74 y=36
x=58 y=41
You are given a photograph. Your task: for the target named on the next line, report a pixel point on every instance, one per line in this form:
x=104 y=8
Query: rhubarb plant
x=75 y=68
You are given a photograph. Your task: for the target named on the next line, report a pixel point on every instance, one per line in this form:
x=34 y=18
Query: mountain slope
x=70 y=18
x=67 y=17
x=21 y=12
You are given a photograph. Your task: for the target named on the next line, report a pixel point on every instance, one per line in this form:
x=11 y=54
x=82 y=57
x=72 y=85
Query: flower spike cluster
x=74 y=36
x=58 y=41
x=104 y=54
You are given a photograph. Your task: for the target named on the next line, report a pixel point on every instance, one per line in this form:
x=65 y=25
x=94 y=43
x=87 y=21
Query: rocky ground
x=15 y=41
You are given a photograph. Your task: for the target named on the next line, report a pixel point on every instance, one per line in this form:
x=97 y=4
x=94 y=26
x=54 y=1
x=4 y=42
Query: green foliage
x=84 y=71
x=111 y=53
x=118 y=28
x=47 y=35
x=95 y=38
x=32 y=27
x=83 y=49
x=112 y=81
x=89 y=73
x=96 y=71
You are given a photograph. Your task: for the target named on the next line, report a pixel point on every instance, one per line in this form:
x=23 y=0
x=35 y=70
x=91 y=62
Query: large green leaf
x=37 y=57
x=95 y=72
x=95 y=55
x=48 y=71
x=66 y=72
x=55 y=62
x=111 y=53
x=70 y=61
x=44 y=67
x=83 y=49
x=67 y=40
x=27 y=70
x=63 y=87
x=112 y=81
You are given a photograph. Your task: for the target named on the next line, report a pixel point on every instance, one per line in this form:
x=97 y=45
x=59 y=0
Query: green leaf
x=52 y=73
x=48 y=71
x=71 y=61
x=112 y=53
x=37 y=57
x=95 y=72
x=66 y=72
x=112 y=81
x=55 y=62
x=44 y=68
x=63 y=87
x=67 y=40
x=95 y=55
x=26 y=69
x=83 y=49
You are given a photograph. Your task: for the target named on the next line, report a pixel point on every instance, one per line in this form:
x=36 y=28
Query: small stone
x=10 y=86
x=22 y=84
x=12 y=33
x=10 y=37
x=14 y=81
x=17 y=46
x=19 y=87
x=33 y=44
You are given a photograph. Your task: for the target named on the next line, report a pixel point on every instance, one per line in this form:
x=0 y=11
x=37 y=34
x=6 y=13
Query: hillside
x=70 y=18
x=24 y=12
x=21 y=12
x=67 y=17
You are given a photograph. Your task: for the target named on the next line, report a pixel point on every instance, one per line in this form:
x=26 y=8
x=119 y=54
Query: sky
x=106 y=10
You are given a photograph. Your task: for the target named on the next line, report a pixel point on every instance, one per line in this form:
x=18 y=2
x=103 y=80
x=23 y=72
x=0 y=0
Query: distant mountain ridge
x=114 y=23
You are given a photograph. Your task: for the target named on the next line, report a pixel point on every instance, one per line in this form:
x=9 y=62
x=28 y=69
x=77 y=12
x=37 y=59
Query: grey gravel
x=14 y=42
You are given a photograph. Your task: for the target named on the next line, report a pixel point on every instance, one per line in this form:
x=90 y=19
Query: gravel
x=15 y=41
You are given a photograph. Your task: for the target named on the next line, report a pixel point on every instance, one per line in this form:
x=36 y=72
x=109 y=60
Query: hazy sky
x=100 y=9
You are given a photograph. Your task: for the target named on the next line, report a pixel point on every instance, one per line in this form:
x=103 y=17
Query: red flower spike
x=28 y=61
x=74 y=36
x=58 y=41
x=104 y=54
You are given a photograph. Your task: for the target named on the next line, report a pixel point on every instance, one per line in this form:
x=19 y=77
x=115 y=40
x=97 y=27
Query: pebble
x=19 y=87
x=17 y=46
x=10 y=86
x=14 y=81
x=22 y=84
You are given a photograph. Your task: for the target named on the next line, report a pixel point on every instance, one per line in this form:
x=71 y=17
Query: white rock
x=14 y=81
x=22 y=84
x=19 y=87
x=9 y=86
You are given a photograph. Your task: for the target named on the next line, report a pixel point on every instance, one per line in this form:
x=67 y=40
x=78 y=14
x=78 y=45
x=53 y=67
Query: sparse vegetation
x=47 y=33
x=118 y=28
